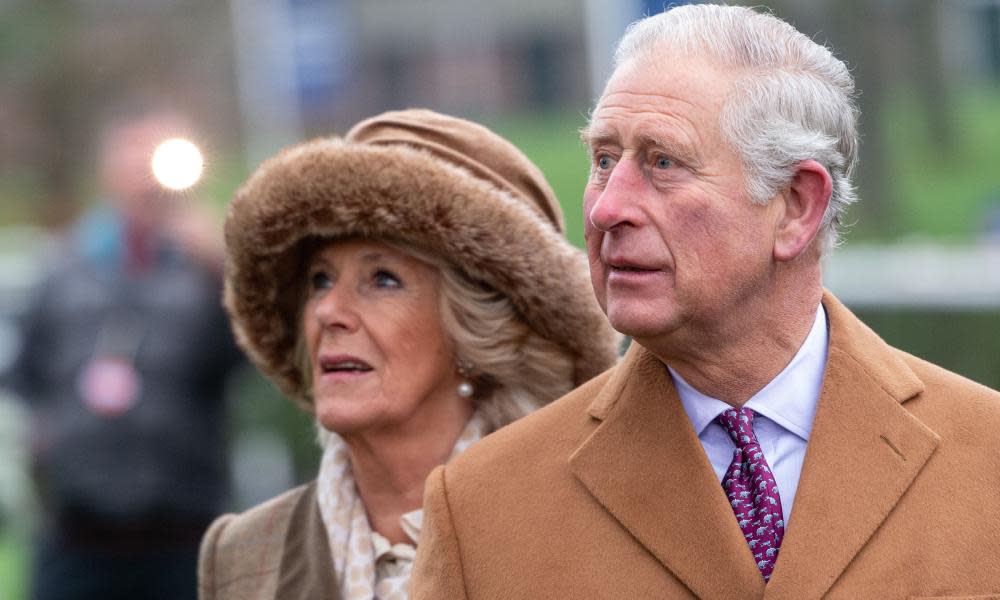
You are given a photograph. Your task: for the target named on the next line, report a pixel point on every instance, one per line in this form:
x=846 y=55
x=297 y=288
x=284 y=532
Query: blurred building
x=260 y=73
x=326 y=64
x=257 y=74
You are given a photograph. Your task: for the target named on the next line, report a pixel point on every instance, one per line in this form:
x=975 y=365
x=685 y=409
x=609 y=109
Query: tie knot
x=738 y=423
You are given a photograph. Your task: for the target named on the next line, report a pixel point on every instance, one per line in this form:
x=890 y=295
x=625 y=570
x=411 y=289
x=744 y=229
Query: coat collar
x=646 y=467
x=306 y=569
x=865 y=451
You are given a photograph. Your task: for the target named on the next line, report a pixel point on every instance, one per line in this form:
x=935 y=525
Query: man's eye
x=604 y=162
x=662 y=162
x=387 y=279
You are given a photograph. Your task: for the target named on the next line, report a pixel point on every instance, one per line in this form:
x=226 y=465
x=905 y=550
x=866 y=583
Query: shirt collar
x=789 y=399
x=386 y=550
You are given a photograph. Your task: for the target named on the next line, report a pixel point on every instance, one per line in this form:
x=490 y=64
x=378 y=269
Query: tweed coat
x=276 y=550
x=607 y=493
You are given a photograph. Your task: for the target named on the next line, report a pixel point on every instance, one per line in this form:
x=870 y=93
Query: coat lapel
x=864 y=452
x=645 y=466
x=306 y=570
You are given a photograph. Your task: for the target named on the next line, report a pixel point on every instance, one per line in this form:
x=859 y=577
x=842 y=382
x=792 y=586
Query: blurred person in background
x=125 y=354
x=410 y=286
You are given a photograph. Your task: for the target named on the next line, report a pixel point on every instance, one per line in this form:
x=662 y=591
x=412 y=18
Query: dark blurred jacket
x=163 y=459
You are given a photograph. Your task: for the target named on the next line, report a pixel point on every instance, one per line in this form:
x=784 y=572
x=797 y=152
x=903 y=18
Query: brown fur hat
x=446 y=185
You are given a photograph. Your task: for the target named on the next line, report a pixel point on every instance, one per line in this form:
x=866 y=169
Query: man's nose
x=616 y=204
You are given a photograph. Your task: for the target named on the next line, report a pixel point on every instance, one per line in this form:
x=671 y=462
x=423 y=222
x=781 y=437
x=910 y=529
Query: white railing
x=916 y=274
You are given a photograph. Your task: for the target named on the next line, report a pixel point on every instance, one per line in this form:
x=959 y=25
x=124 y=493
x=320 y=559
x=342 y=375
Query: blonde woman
x=410 y=286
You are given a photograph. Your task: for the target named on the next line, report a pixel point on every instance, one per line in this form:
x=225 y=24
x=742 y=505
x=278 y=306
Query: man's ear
x=805 y=201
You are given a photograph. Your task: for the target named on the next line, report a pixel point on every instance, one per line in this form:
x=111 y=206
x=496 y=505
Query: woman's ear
x=805 y=201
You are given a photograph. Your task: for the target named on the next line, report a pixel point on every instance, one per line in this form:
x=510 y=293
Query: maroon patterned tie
x=751 y=490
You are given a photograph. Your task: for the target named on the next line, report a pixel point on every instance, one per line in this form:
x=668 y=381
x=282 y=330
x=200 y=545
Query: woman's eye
x=386 y=279
x=319 y=280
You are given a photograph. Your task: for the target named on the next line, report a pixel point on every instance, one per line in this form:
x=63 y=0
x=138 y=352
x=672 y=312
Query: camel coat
x=275 y=550
x=607 y=493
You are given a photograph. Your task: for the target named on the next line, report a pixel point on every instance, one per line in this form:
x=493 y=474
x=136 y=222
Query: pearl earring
x=465 y=389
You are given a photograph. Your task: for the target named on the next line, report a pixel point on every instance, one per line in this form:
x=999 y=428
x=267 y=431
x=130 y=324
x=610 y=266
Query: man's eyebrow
x=677 y=150
x=652 y=138
x=592 y=136
x=600 y=136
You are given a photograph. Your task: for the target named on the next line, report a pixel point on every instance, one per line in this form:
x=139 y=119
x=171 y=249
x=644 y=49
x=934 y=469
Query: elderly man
x=756 y=440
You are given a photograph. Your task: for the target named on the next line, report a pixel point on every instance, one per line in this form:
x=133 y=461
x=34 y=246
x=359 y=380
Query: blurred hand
x=198 y=231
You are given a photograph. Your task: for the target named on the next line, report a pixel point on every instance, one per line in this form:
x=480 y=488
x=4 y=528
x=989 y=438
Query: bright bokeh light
x=177 y=164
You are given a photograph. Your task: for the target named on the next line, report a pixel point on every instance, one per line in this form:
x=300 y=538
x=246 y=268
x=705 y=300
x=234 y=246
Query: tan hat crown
x=468 y=145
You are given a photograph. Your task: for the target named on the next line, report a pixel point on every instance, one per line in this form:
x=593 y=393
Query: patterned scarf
x=366 y=564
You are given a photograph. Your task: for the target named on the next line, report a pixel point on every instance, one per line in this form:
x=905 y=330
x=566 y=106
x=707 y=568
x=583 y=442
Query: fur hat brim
x=335 y=188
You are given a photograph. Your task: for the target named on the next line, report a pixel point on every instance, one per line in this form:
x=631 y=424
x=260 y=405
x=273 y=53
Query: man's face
x=673 y=243
x=126 y=169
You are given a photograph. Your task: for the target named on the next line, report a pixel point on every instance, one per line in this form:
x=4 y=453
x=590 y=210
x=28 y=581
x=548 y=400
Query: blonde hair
x=514 y=369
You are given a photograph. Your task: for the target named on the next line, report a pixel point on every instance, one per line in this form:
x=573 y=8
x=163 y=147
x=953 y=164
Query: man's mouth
x=628 y=268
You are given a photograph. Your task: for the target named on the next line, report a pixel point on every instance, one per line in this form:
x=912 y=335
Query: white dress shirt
x=784 y=409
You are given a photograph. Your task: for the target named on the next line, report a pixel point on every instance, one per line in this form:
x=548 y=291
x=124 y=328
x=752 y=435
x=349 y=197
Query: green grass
x=13 y=566
x=944 y=192
x=19 y=190
x=552 y=141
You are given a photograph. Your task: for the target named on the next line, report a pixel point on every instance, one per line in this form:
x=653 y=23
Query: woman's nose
x=337 y=308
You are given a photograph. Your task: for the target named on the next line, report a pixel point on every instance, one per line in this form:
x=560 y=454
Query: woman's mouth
x=343 y=365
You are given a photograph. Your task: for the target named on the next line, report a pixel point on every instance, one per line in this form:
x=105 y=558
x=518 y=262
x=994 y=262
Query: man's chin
x=639 y=324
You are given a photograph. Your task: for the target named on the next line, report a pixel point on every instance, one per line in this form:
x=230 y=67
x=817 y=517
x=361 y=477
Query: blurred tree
x=858 y=32
x=991 y=32
x=928 y=70
x=44 y=76
x=64 y=63
x=889 y=45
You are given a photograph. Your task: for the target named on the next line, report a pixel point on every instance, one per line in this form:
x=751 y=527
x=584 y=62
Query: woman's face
x=380 y=359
